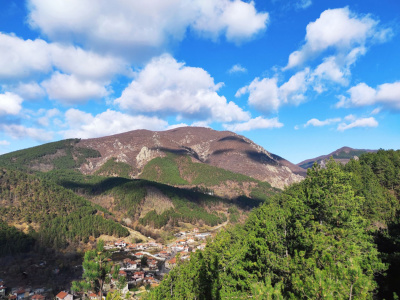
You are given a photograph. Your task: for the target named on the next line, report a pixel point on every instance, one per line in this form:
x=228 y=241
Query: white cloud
x=85 y=125
x=317 y=123
x=266 y=96
x=169 y=87
x=362 y=122
x=350 y=118
x=256 y=123
x=263 y=94
x=86 y=64
x=69 y=89
x=237 y=69
x=136 y=27
x=21 y=58
x=10 y=104
x=303 y=4
x=293 y=90
x=387 y=95
x=331 y=71
x=24 y=58
x=376 y=111
x=28 y=91
x=21 y=132
x=4 y=143
x=48 y=115
x=339 y=29
x=200 y=124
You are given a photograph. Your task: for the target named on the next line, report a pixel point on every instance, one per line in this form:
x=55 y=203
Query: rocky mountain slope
x=222 y=149
x=342 y=155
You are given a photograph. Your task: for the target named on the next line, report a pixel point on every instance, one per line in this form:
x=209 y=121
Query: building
x=64 y=296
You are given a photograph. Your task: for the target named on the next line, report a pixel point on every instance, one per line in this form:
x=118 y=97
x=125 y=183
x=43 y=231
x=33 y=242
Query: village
x=142 y=266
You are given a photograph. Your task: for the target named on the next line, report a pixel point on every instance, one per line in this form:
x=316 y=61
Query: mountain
x=342 y=155
x=129 y=153
x=150 y=181
x=222 y=149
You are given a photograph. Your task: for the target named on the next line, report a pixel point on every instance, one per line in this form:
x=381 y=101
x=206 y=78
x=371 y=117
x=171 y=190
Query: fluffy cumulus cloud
x=317 y=123
x=345 y=37
x=71 y=90
x=17 y=131
x=85 y=125
x=256 y=123
x=168 y=87
x=267 y=96
x=360 y=122
x=136 y=26
x=338 y=29
x=387 y=95
x=10 y=104
x=28 y=91
x=23 y=58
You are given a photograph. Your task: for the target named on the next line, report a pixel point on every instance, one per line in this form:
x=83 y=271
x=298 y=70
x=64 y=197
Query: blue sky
x=299 y=77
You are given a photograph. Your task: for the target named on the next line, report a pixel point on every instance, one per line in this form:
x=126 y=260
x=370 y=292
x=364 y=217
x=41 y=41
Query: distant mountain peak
x=342 y=155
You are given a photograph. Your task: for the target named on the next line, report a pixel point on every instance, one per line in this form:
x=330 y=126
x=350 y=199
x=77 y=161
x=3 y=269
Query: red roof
x=173 y=260
x=38 y=296
x=12 y=297
x=62 y=295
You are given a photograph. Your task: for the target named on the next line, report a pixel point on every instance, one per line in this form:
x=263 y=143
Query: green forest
x=63 y=217
x=335 y=235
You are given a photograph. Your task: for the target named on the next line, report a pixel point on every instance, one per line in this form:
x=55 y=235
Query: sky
x=301 y=78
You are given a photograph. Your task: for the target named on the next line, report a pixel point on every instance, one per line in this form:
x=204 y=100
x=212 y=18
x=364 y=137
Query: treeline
x=58 y=155
x=64 y=217
x=13 y=241
x=332 y=236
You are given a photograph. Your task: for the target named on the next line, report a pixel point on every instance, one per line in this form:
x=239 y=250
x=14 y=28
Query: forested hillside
x=153 y=204
x=60 y=217
x=332 y=236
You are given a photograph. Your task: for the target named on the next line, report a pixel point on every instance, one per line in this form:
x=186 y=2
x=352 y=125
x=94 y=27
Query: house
x=138 y=275
x=152 y=263
x=93 y=296
x=20 y=293
x=195 y=230
x=130 y=264
x=177 y=248
x=38 y=297
x=122 y=273
x=170 y=263
x=139 y=254
x=120 y=244
x=64 y=296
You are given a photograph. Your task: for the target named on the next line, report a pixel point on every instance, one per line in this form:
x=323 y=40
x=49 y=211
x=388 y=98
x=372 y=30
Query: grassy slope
x=181 y=171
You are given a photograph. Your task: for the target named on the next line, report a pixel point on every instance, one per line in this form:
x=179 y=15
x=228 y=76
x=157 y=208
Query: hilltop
x=342 y=155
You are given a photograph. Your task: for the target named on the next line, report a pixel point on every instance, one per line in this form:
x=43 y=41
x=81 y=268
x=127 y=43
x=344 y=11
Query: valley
x=190 y=201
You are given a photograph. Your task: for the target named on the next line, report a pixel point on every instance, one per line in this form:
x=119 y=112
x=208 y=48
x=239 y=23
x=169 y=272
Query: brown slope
x=342 y=155
x=223 y=149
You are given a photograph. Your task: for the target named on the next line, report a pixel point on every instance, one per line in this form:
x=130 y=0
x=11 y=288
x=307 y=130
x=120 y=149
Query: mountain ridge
x=342 y=155
x=222 y=149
